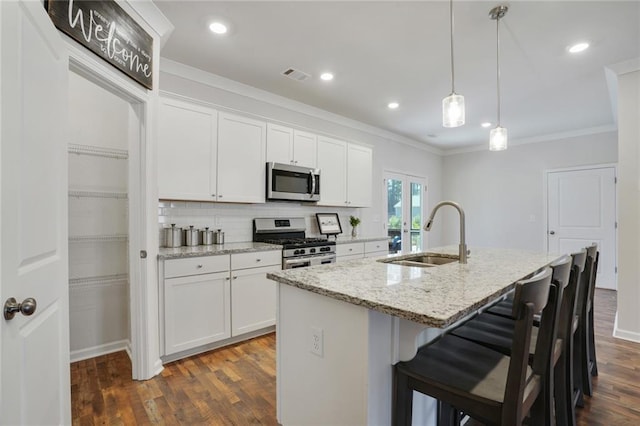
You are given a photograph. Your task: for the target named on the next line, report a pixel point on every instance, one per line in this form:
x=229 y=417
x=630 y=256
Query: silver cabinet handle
x=258 y=260
x=199 y=266
x=552 y=232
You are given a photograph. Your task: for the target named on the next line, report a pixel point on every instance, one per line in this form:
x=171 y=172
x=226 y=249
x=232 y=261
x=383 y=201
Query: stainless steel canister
x=206 y=237
x=191 y=237
x=173 y=236
x=218 y=237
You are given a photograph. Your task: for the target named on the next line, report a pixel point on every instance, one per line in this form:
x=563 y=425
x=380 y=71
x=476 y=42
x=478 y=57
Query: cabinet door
x=196 y=311
x=241 y=159
x=359 y=179
x=350 y=249
x=305 y=148
x=279 y=144
x=253 y=300
x=186 y=150
x=332 y=162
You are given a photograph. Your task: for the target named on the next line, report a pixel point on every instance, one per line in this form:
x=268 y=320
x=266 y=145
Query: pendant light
x=452 y=105
x=498 y=135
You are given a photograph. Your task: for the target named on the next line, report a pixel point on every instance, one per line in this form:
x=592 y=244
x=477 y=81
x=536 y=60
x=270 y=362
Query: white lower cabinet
x=253 y=300
x=212 y=298
x=349 y=251
x=358 y=250
x=376 y=248
x=196 y=311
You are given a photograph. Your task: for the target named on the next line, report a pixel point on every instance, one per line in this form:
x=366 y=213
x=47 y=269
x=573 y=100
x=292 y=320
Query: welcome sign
x=107 y=30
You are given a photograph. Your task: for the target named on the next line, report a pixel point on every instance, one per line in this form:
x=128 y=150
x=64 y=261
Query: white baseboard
x=107 y=348
x=632 y=336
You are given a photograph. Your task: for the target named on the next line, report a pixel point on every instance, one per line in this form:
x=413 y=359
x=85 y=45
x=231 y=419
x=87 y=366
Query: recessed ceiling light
x=393 y=105
x=327 y=76
x=218 y=28
x=486 y=124
x=578 y=47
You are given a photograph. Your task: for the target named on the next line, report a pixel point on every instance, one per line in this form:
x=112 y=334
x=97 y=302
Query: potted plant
x=354 y=222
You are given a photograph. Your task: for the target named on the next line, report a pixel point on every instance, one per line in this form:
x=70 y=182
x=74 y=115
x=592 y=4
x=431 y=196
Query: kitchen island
x=341 y=327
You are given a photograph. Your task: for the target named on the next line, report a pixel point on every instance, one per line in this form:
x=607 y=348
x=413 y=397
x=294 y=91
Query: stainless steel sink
x=423 y=260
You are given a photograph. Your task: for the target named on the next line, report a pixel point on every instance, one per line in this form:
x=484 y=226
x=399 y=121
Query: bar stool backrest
x=530 y=297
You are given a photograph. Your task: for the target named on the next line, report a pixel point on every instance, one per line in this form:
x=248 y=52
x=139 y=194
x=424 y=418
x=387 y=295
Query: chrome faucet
x=462 y=248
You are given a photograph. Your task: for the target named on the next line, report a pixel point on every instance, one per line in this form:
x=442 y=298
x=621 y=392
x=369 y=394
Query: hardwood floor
x=236 y=385
x=231 y=386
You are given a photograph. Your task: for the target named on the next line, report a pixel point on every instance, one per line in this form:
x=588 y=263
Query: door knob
x=552 y=232
x=11 y=306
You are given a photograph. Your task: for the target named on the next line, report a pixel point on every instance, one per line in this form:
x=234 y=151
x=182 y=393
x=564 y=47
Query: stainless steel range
x=297 y=250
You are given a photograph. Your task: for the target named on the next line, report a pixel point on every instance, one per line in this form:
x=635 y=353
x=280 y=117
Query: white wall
x=387 y=154
x=502 y=193
x=628 y=317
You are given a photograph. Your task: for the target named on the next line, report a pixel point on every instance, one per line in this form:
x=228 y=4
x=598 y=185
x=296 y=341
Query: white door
x=581 y=211
x=405 y=212
x=34 y=350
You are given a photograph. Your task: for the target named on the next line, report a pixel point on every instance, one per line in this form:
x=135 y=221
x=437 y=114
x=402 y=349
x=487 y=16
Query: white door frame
x=386 y=173
x=546 y=207
x=143 y=304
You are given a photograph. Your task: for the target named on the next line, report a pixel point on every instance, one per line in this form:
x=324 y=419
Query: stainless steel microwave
x=293 y=183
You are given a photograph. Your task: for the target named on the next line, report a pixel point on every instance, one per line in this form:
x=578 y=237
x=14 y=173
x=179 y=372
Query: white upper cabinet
x=359 y=176
x=332 y=162
x=279 y=144
x=288 y=146
x=346 y=173
x=304 y=149
x=241 y=159
x=186 y=150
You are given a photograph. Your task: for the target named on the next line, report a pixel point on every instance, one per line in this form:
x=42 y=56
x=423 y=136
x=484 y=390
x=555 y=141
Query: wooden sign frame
x=108 y=31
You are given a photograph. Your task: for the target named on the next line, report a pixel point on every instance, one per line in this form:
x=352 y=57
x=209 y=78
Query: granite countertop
x=346 y=239
x=436 y=296
x=215 y=249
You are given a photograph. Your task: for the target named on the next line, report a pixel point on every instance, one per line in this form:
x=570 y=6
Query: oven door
x=287 y=182
x=304 y=261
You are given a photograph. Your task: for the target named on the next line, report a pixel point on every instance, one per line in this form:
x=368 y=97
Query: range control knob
x=302 y=251
x=312 y=251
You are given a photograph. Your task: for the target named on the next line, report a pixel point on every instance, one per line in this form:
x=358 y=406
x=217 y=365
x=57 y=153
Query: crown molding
x=542 y=138
x=199 y=76
x=625 y=67
x=149 y=13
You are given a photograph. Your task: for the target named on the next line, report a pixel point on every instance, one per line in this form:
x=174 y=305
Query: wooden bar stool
x=585 y=363
x=492 y=387
x=497 y=332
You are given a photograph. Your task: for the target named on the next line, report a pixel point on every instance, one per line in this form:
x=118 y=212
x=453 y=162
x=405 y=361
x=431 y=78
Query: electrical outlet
x=317 y=341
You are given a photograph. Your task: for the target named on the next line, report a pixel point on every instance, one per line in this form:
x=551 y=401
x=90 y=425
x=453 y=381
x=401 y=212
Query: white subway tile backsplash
x=236 y=220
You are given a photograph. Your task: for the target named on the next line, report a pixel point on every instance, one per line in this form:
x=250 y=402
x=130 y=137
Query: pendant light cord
x=453 y=87
x=498 y=64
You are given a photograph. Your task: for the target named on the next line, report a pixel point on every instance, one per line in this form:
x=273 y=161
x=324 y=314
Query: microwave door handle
x=313 y=184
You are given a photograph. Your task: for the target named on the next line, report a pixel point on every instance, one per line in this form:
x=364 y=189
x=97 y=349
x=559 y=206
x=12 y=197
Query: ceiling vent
x=295 y=74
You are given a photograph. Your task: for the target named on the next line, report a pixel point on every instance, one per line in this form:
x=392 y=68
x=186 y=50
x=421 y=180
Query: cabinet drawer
x=256 y=259
x=195 y=266
x=374 y=246
x=349 y=249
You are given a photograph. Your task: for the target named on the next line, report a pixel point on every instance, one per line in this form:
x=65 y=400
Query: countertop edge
x=215 y=250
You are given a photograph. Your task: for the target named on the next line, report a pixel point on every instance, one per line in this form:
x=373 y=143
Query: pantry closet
x=99 y=134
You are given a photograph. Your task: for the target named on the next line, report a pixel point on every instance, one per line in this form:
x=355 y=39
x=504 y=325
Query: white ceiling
x=399 y=51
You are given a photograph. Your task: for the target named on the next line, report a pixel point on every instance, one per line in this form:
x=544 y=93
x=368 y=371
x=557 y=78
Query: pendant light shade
x=498 y=136
x=498 y=139
x=453 y=110
x=452 y=105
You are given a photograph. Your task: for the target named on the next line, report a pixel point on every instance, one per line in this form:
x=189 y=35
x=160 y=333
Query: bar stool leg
x=402 y=410
x=448 y=415
x=593 y=364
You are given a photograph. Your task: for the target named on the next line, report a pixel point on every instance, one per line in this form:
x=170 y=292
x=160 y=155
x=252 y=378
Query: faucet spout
x=462 y=247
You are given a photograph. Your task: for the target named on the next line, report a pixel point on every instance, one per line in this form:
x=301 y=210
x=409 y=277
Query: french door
x=405 y=197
